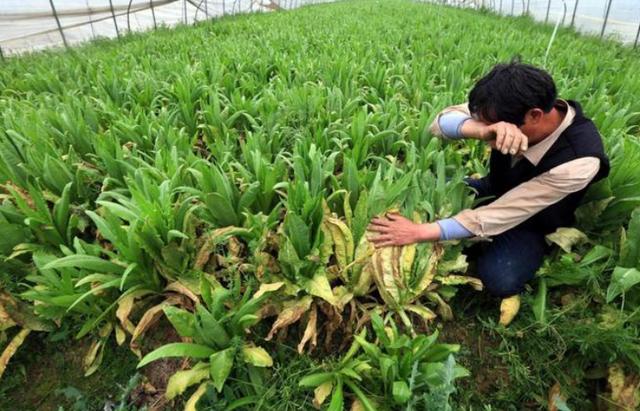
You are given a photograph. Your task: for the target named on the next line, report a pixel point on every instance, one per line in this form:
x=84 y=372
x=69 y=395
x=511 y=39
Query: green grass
x=43 y=370
x=137 y=150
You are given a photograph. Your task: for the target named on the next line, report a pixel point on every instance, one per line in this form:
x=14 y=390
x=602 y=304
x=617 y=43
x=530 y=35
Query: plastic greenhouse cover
x=30 y=24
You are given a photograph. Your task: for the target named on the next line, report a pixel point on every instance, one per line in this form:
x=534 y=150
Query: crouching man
x=545 y=154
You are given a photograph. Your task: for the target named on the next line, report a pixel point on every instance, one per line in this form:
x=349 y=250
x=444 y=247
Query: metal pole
x=55 y=14
x=513 y=4
x=500 y=7
x=606 y=18
x=223 y=7
x=635 y=43
x=93 y=31
x=575 y=9
x=115 y=21
x=206 y=8
x=128 y=12
x=184 y=10
x=528 y=2
x=153 y=14
x=546 y=19
x=2 y=54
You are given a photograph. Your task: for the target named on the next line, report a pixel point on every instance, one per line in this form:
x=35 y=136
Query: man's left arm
x=529 y=198
x=506 y=212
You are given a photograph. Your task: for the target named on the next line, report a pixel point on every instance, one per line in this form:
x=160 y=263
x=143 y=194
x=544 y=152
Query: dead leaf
x=509 y=308
x=150 y=317
x=291 y=313
x=265 y=288
x=567 y=237
x=555 y=397
x=12 y=347
x=178 y=287
x=310 y=332
x=625 y=390
x=356 y=405
x=321 y=393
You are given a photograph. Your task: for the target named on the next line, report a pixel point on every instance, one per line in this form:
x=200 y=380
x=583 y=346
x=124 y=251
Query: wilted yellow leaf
x=385 y=272
x=423 y=312
x=625 y=390
x=178 y=287
x=555 y=397
x=5 y=320
x=181 y=380
x=356 y=405
x=11 y=348
x=125 y=305
x=290 y=314
x=320 y=287
x=342 y=240
x=121 y=336
x=265 y=288
x=193 y=400
x=361 y=268
x=148 y=319
x=217 y=236
x=443 y=308
x=310 y=332
x=436 y=252
x=509 y=307
x=474 y=282
x=256 y=356
x=93 y=358
x=321 y=393
x=567 y=237
x=407 y=256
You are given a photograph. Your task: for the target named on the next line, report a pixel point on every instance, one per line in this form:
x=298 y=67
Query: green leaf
x=540 y=302
x=337 y=399
x=401 y=392
x=313 y=380
x=210 y=329
x=182 y=320
x=93 y=291
x=87 y=262
x=61 y=210
x=177 y=350
x=622 y=280
x=299 y=234
x=366 y=403
x=221 y=364
x=630 y=248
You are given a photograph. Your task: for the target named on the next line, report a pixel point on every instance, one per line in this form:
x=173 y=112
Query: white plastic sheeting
x=587 y=16
x=27 y=25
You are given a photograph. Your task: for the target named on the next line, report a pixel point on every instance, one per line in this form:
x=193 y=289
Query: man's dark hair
x=509 y=90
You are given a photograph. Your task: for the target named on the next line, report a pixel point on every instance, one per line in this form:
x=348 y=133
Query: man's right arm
x=455 y=122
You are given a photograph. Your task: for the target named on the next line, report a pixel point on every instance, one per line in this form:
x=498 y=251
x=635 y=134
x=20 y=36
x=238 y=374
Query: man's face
x=530 y=127
x=532 y=122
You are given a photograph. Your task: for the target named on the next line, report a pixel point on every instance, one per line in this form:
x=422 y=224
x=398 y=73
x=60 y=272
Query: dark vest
x=580 y=139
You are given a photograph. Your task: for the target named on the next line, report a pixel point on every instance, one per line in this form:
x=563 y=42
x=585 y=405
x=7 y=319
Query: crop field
x=183 y=221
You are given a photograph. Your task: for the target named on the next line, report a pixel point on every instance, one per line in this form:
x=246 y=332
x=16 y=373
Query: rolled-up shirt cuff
x=451 y=124
x=450 y=229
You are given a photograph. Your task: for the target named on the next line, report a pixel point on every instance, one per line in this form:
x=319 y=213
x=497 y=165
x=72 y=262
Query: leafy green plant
x=217 y=329
x=394 y=371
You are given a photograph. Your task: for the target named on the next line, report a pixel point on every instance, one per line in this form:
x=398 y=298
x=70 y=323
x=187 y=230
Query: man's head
x=517 y=93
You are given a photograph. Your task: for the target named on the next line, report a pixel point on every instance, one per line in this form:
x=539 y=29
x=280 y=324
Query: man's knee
x=503 y=287
x=503 y=277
